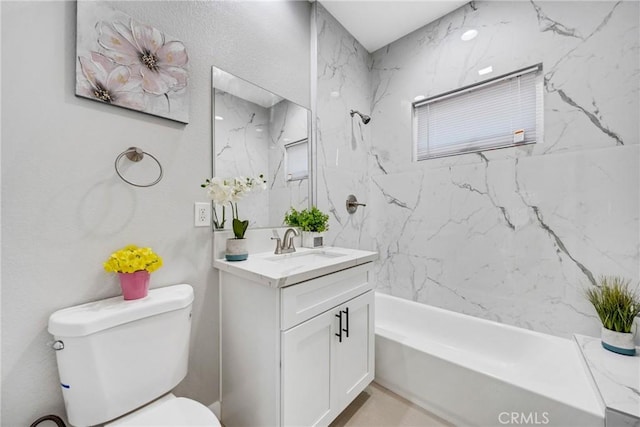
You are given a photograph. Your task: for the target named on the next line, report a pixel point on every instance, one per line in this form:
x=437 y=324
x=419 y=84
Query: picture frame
x=129 y=64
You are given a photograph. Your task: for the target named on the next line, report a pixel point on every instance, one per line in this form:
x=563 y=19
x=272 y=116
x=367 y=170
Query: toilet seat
x=169 y=411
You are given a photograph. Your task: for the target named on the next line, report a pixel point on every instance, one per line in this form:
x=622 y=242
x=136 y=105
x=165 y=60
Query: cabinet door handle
x=339 y=334
x=346 y=330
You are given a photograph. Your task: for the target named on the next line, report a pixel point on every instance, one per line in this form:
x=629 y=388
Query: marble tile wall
x=343 y=142
x=516 y=234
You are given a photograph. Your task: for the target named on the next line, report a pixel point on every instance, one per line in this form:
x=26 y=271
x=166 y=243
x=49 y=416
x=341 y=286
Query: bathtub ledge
x=616 y=377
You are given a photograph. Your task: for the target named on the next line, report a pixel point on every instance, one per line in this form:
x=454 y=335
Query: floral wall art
x=130 y=64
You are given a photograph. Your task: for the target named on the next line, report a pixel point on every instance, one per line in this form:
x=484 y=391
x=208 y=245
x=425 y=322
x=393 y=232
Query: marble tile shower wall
x=344 y=143
x=516 y=234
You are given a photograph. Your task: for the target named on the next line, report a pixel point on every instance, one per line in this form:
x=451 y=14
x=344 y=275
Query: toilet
x=118 y=361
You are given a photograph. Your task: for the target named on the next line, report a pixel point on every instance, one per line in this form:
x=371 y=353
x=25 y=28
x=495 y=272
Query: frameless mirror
x=258 y=132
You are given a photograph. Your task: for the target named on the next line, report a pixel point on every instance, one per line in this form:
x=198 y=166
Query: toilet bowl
x=169 y=410
x=119 y=360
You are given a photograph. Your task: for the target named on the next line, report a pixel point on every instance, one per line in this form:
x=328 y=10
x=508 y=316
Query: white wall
x=63 y=208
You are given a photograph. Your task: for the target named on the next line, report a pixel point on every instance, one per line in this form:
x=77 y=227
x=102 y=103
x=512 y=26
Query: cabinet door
x=353 y=357
x=306 y=372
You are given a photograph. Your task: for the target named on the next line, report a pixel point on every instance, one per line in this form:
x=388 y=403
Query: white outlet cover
x=202 y=214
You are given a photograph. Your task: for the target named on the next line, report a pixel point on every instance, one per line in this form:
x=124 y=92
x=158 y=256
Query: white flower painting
x=130 y=64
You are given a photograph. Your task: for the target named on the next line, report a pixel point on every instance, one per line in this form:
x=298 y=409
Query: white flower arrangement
x=230 y=190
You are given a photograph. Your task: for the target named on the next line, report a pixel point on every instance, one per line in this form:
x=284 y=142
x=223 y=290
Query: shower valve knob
x=352 y=204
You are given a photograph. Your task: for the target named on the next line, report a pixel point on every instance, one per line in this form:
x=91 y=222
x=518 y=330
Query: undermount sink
x=305 y=258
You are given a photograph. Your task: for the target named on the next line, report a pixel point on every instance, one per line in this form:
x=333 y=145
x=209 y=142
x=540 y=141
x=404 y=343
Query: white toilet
x=118 y=360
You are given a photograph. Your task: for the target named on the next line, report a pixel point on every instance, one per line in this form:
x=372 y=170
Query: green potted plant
x=617 y=306
x=313 y=223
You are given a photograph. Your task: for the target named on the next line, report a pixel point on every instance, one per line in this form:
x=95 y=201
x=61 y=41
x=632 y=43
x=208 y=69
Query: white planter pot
x=236 y=250
x=618 y=342
x=312 y=239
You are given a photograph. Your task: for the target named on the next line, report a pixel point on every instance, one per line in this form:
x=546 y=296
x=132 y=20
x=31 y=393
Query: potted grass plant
x=313 y=223
x=617 y=306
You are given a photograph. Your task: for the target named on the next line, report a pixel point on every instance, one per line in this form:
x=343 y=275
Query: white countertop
x=261 y=268
x=616 y=376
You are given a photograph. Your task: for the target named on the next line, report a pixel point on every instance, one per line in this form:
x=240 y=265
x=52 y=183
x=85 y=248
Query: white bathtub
x=475 y=372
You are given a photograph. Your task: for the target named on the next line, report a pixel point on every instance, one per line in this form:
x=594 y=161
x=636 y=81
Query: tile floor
x=378 y=407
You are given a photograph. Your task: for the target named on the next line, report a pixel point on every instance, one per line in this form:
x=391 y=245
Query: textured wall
x=515 y=234
x=64 y=209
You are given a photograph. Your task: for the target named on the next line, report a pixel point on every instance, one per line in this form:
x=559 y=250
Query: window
x=296 y=160
x=501 y=112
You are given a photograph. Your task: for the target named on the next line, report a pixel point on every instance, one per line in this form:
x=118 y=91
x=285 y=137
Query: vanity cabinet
x=298 y=355
x=326 y=362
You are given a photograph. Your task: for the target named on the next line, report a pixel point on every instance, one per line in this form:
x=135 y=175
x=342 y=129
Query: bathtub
x=475 y=372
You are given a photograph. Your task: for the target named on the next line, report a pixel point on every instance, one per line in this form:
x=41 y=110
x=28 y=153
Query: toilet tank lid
x=97 y=316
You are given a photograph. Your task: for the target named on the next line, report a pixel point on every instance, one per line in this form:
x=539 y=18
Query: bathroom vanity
x=297 y=336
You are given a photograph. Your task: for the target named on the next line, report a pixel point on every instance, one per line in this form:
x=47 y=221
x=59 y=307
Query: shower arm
x=365 y=119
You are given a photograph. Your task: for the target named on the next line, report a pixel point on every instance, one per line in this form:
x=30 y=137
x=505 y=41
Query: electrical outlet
x=202 y=215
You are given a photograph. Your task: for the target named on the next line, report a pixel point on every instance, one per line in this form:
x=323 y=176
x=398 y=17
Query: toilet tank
x=119 y=355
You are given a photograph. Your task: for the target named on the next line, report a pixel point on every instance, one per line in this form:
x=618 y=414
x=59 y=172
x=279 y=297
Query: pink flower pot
x=134 y=285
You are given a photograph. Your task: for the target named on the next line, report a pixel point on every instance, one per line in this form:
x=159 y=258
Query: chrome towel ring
x=136 y=154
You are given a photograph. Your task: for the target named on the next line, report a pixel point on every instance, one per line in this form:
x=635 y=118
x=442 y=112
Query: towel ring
x=136 y=154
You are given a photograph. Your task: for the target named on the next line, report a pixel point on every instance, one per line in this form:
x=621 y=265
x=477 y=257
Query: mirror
x=258 y=132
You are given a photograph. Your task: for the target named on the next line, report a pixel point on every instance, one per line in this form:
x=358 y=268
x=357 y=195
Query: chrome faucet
x=285 y=245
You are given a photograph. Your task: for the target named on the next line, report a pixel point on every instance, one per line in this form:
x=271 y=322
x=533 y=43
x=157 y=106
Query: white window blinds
x=297 y=160
x=485 y=116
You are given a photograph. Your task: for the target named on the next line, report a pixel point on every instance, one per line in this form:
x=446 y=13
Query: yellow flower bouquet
x=133 y=265
x=132 y=258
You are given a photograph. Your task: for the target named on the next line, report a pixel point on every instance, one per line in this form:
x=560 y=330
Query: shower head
x=365 y=119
